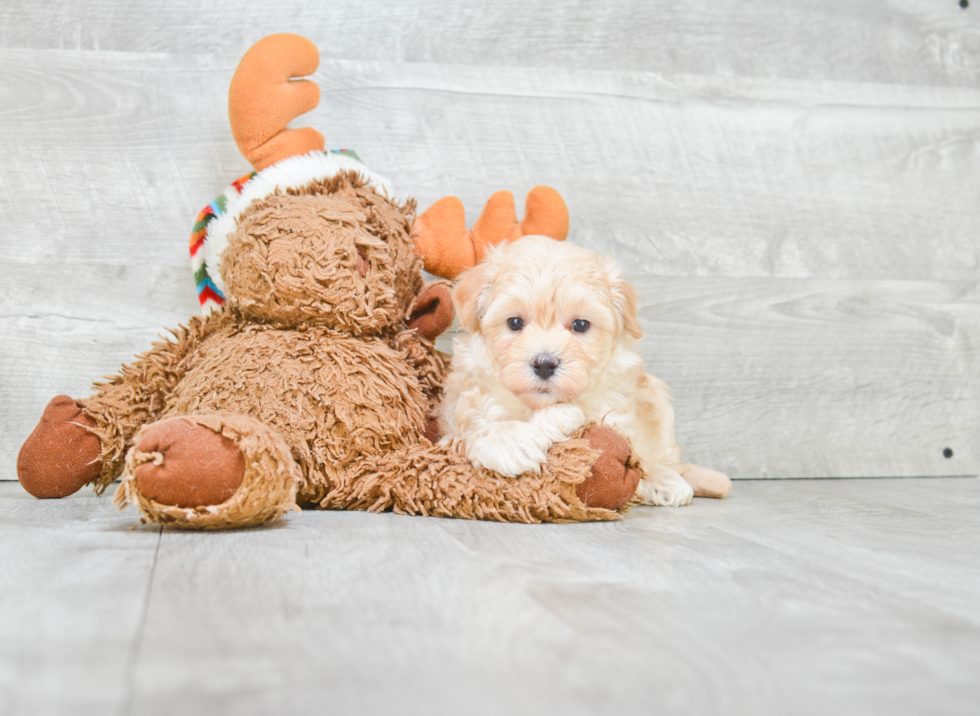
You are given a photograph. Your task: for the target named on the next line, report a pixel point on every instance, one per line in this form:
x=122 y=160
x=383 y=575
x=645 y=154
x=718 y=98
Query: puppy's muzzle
x=544 y=365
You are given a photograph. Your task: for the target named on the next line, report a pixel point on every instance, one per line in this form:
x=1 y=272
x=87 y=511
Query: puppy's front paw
x=510 y=449
x=665 y=488
x=558 y=422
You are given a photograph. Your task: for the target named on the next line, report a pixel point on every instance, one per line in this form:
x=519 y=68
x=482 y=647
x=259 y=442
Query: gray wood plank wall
x=793 y=186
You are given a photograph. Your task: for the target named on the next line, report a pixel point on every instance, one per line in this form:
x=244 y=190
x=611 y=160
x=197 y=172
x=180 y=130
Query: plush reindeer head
x=314 y=237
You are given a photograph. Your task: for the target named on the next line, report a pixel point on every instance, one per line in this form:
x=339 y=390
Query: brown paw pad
x=62 y=454
x=432 y=431
x=192 y=466
x=432 y=312
x=612 y=483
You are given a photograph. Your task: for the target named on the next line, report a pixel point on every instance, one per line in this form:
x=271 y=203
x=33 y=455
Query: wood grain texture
x=73 y=586
x=895 y=41
x=687 y=176
x=818 y=596
x=862 y=378
x=802 y=178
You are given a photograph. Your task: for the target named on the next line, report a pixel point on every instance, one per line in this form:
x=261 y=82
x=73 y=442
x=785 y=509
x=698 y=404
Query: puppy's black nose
x=544 y=365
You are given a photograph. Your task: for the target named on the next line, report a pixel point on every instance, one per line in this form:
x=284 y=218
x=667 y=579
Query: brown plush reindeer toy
x=313 y=379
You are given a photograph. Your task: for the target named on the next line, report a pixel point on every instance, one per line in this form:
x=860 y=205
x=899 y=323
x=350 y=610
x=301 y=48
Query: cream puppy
x=548 y=347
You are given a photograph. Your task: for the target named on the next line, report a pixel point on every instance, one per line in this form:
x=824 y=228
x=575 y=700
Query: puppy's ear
x=470 y=293
x=624 y=301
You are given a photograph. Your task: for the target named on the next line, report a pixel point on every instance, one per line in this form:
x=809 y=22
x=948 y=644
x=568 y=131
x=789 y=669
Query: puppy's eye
x=580 y=325
x=515 y=324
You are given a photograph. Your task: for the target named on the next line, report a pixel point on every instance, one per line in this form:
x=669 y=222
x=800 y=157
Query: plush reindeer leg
x=213 y=471
x=590 y=477
x=85 y=441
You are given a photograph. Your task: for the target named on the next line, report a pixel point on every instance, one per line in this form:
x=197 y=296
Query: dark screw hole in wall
x=964 y=4
x=948 y=453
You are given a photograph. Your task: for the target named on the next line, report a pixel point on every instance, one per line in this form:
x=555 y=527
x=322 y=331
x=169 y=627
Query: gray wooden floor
x=792 y=597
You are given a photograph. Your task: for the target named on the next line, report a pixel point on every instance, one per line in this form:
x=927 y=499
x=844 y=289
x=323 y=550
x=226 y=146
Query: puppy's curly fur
x=548 y=346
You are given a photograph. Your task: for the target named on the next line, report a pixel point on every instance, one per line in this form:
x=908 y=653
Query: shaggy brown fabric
x=62 y=454
x=267 y=491
x=384 y=220
x=138 y=395
x=309 y=273
x=332 y=398
x=431 y=366
x=439 y=481
x=193 y=465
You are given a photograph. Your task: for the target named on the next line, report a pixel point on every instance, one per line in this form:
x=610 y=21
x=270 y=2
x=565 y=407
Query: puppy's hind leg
x=706 y=483
x=663 y=486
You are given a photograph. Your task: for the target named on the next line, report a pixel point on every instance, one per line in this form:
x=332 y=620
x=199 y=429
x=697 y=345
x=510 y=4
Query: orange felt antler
x=263 y=98
x=448 y=249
